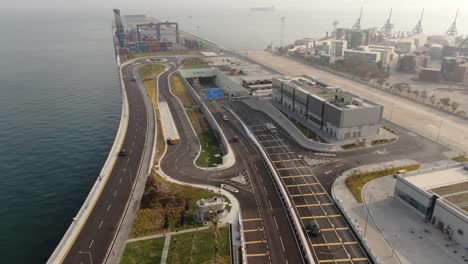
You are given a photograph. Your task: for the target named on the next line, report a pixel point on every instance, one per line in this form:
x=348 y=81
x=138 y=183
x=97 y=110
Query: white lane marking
x=100 y=225
x=128 y=160
x=339 y=165
x=124 y=170
x=328 y=172
x=282 y=245
x=271 y=207
x=265 y=190
x=90 y=245
x=115 y=193
x=108 y=207
x=120 y=181
x=276 y=223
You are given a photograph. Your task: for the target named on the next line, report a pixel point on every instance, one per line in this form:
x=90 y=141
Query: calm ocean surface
x=60 y=103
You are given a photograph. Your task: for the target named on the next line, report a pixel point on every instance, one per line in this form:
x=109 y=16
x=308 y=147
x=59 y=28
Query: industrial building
x=337 y=48
x=208 y=207
x=368 y=57
x=337 y=113
x=439 y=195
x=412 y=63
x=455 y=69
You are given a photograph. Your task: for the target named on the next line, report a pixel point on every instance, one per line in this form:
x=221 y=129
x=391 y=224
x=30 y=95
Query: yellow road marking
x=292 y=168
x=282 y=153
x=254 y=242
x=251 y=219
x=334 y=244
x=279 y=146
x=286 y=160
x=274 y=140
x=256 y=255
x=252 y=230
x=332 y=229
x=342 y=260
x=297 y=176
x=302 y=184
x=313 y=205
x=319 y=216
x=307 y=194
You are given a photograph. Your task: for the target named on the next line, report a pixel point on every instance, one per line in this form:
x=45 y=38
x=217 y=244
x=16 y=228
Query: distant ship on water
x=263 y=9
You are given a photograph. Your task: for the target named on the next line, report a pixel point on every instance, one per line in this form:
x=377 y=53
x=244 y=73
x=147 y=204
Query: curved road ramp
x=292 y=130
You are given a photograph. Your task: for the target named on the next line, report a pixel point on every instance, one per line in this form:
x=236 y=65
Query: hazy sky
x=309 y=4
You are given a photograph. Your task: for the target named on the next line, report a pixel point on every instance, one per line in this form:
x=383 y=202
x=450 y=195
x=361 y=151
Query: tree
x=423 y=96
x=454 y=106
x=416 y=94
x=432 y=99
x=445 y=101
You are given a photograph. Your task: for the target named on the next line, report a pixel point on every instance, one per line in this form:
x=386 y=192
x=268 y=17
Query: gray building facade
x=334 y=111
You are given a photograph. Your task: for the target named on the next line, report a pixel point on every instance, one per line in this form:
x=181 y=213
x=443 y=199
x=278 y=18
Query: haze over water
x=60 y=101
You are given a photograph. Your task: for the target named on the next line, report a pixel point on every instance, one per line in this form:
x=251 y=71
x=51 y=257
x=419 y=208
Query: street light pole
x=88 y=253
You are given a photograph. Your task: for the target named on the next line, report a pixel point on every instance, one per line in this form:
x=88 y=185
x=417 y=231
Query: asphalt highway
x=336 y=242
x=266 y=229
x=97 y=234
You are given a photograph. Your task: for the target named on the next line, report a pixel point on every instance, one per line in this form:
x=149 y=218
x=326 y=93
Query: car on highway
x=313 y=228
x=225 y=118
x=234 y=140
x=171 y=141
x=123 y=152
x=134 y=78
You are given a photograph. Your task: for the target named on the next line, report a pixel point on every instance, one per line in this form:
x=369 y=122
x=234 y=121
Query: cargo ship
x=263 y=9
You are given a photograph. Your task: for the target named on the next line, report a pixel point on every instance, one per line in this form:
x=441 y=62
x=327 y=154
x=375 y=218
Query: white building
x=207 y=207
x=369 y=57
x=314 y=104
x=337 y=48
x=439 y=195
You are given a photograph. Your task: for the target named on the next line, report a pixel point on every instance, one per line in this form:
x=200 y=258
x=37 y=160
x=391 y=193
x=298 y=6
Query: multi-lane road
x=267 y=232
x=97 y=234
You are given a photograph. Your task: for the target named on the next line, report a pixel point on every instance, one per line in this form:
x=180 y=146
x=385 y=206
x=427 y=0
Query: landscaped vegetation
x=165 y=206
x=143 y=252
x=354 y=145
x=194 y=63
x=207 y=246
x=357 y=180
x=461 y=159
x=383 y=141
x=211 y=153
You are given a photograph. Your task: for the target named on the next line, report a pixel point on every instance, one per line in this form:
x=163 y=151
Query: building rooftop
x=448 y=182
x=334 y=95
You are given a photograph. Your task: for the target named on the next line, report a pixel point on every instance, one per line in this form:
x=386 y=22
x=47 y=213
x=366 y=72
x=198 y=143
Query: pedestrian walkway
x=392 y=231
x=169 y=234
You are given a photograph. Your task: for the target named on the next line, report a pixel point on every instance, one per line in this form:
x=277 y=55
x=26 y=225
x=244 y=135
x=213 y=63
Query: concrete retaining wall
x=283 y=193
x=229 y=159
x=284 y=122
x=80 y=219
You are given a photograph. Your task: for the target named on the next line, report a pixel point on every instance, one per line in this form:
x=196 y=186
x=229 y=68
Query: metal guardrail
x=283 y=193
x=80 y=219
